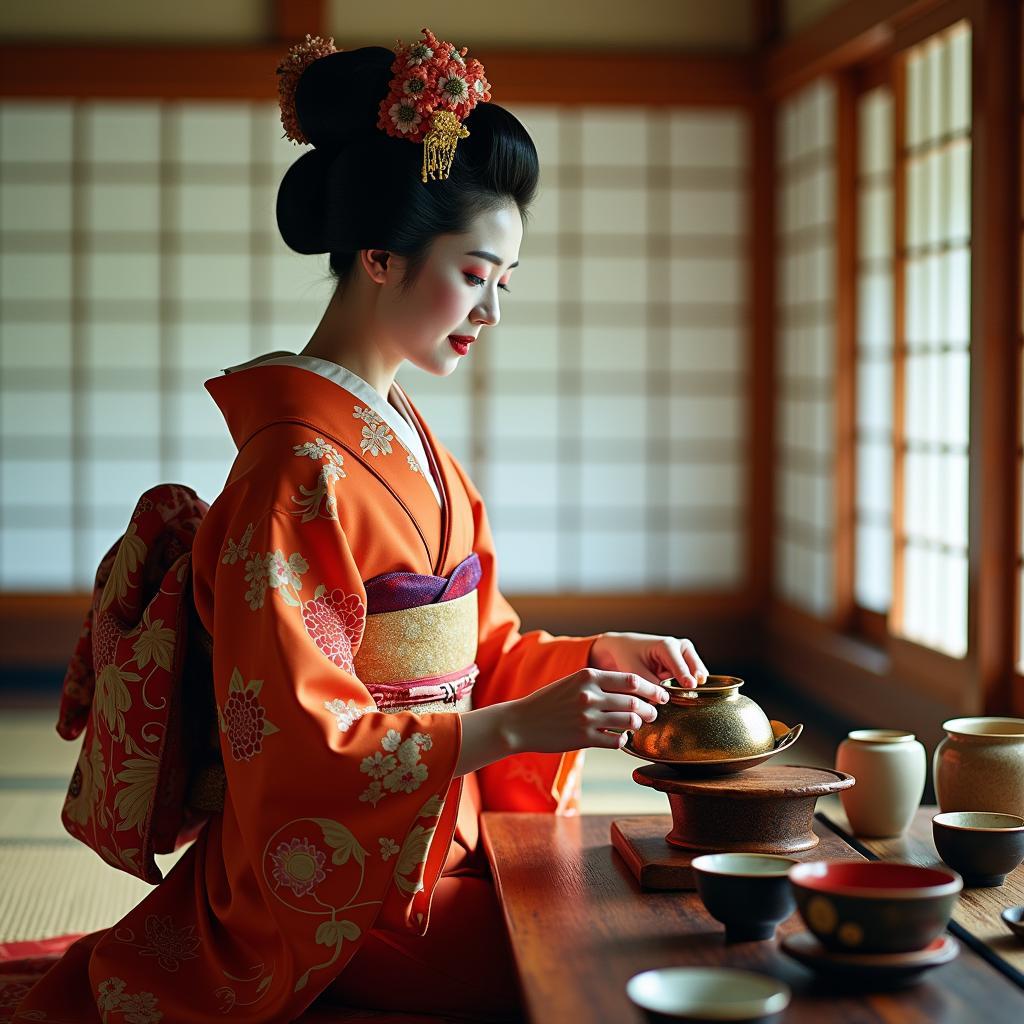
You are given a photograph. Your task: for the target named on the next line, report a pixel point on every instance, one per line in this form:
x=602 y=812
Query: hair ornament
x=289 y=71
x=433 y=90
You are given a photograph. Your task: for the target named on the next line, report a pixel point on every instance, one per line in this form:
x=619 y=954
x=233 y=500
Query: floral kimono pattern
x=339 y=813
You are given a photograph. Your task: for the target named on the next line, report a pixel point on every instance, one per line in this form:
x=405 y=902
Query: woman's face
x=456 y=293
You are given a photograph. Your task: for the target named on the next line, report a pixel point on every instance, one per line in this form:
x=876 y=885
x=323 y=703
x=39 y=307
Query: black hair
x=360 y=188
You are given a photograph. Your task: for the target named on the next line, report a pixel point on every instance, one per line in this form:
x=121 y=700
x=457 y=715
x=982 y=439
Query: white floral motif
x=286 y=572
x=405 y=776
x=241 y=549
x=372 y=793
x=392 y=740
x=138 y=1007
x=376 y=439
x=378 y=765
x=322 y=491
x=345 y=714
x=388 y=848
x=413 y=464
x=315 y=450
x=367 y=415
x=256 y=573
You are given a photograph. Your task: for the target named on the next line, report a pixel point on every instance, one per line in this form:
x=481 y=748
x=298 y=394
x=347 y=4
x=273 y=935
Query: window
x=874 y=407
x=936 y=257
x=805 y=409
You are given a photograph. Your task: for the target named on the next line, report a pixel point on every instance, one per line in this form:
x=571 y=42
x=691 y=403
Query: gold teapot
x=712 y=722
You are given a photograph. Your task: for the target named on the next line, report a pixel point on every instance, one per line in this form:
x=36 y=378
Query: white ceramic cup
x=890 y=768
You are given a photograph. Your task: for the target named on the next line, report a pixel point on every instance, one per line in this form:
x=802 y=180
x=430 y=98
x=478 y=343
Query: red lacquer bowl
x=872 y=906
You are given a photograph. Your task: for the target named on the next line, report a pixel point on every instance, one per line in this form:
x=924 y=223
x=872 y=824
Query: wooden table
x=580 y=927
x=976 y=917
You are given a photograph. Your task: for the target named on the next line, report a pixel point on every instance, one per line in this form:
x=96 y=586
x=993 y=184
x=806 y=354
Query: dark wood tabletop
x=581 y=926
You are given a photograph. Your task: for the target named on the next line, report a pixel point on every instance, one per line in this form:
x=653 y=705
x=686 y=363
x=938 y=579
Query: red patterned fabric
x=126 y=686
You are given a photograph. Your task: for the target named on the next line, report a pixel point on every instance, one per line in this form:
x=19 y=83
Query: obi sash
x=419 y=643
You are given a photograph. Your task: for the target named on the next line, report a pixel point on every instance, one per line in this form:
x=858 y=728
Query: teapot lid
x=712 y=686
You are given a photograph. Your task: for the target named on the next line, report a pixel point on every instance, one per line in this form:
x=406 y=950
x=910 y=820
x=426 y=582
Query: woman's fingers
x=602 y=738
x=620 y=720
x=692 y=659
x=618 y=703
x=629 y=683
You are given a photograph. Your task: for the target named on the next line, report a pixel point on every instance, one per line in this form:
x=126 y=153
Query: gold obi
x=421 y=659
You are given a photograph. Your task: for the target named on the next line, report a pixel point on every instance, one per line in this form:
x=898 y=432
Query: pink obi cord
x=449 y=689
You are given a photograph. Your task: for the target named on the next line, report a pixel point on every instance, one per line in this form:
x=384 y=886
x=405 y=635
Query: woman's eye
x=479 y=281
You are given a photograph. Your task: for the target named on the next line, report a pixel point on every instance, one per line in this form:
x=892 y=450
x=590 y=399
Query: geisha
x=373 y=690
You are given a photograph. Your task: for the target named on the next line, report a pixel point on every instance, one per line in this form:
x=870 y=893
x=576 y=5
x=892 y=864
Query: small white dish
x=707 y=993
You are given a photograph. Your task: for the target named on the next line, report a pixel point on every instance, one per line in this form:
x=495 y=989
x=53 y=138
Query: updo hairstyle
x=360 y=188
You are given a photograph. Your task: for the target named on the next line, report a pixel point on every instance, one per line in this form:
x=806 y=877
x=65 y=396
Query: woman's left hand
x=654 y=658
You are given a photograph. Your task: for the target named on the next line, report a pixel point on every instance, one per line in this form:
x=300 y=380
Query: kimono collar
x=355 y=385
x=255 y=396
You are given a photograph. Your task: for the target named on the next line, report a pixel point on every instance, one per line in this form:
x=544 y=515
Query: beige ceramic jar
x=890 y=768
x=979 y=766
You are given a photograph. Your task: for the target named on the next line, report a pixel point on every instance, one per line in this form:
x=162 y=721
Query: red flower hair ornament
x=434 y=88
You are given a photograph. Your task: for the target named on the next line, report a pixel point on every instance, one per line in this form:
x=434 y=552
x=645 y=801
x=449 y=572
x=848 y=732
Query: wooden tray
x=641 y=843
x=767 y=809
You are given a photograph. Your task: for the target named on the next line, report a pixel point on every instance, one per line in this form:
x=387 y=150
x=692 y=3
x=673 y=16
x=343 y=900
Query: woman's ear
x=375 y=262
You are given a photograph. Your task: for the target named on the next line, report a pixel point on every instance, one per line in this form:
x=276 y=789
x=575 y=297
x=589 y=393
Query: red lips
x=464 y=338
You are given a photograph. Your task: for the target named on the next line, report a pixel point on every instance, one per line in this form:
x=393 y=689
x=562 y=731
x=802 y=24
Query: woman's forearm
x=488 y=734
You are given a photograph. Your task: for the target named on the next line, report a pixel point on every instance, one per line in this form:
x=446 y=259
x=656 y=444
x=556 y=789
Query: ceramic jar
x=712 y=721
x=979 y=765
x=890 y=768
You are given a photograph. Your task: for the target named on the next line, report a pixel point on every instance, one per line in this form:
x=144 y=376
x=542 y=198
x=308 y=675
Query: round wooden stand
x=768 y=809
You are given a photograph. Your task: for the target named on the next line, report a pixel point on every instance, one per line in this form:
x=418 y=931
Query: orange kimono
x=351 y=615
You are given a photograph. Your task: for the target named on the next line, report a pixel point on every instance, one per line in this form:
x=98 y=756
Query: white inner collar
x=340 y=375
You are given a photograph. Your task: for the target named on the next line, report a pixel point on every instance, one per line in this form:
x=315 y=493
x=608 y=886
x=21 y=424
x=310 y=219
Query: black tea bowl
x=748 y=892
x=982 y=845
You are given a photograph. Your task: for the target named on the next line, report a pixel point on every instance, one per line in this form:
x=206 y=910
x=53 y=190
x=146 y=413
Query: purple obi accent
x=449 y=689
x=396 y=591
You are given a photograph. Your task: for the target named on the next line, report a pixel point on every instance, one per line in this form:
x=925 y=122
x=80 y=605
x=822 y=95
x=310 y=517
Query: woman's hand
x=577 y=710
x=652 y=657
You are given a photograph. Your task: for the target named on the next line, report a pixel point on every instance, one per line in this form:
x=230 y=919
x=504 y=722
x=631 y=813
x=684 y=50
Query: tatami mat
x=59 y=886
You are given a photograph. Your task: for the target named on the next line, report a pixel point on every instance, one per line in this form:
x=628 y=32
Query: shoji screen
x=138 y=256
x=873 y=503
x=937 y=261
x=610 y=400
x=805 y=410
x=603 y=419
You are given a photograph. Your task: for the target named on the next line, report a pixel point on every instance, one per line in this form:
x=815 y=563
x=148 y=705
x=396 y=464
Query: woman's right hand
x=577 y=710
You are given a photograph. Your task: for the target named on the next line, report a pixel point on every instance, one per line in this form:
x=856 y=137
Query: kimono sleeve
x=331 y=805
x=513 y=664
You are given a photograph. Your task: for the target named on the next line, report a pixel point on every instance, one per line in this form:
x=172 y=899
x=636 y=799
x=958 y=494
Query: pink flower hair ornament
x=434 y=88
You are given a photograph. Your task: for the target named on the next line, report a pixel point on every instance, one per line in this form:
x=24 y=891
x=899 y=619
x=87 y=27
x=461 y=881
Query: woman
x=373 y=690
